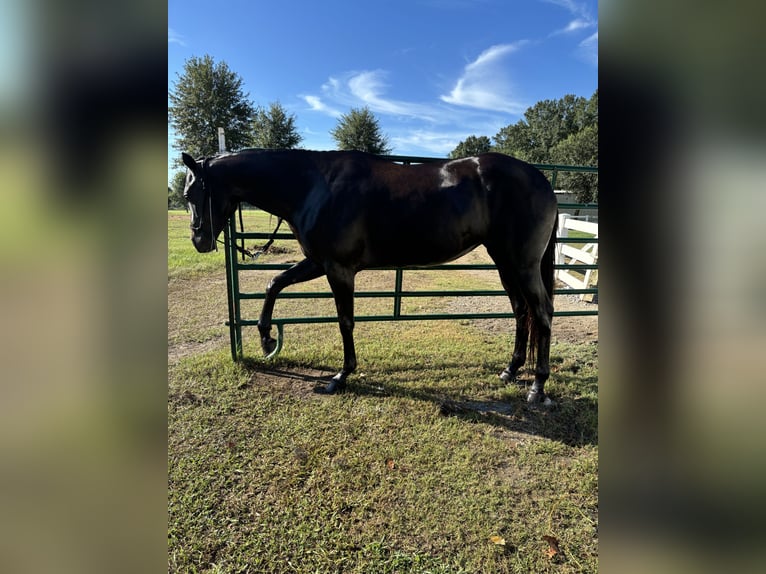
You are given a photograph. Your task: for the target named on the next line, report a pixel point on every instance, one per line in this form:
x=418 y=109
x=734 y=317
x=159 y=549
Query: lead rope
x=265 y=248
x=241 y=230
x=259 y=252
x=212 y=233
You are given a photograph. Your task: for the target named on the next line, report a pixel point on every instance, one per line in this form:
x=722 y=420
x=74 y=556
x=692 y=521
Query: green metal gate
x=236 y=296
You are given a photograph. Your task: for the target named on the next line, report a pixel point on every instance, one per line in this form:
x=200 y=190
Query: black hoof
x=268 y=345
x=333 y=387
x=539 y=399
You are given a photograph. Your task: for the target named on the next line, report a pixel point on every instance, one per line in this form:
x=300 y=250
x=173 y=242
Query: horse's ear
x=189 y=162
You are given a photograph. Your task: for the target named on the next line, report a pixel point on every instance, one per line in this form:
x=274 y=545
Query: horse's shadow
x=573 y=420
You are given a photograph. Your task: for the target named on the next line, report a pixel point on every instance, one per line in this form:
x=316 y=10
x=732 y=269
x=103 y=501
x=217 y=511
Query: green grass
x=184 y=261
x=425 y=458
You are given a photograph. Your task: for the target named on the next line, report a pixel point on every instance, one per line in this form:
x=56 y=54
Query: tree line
x=209 y=94
x=563 y=131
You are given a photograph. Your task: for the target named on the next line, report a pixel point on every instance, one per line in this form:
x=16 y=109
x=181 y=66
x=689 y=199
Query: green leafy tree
x=590 y=112
x=360 y=130
x=546 y=124
x=563 y=131
x=472 y=145
x=551 y=121
x=208 y=95
x=580 y=148
x=274 y=128
x=514 y=140
x=176 y=191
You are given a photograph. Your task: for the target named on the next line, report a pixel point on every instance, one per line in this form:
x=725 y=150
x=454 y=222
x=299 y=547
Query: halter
x=208 y=192
x=208 y=195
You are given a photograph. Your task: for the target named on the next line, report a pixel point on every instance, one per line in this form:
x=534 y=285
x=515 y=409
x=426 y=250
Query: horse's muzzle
x=203 y=243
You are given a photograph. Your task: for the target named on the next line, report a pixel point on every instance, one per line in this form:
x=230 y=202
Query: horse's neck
x=269 y=182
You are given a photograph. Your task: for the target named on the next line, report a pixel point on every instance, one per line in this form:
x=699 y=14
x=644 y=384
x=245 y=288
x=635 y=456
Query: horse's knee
x=272 y=288
x=346 y=323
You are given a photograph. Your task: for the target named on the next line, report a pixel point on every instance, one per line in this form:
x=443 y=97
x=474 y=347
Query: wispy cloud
x=434 y=142
x=574 y=25
x=175 y=38
x=588 y=49
x=478 y=104
x=581 y=12
x=370 y=87
x=484 y=83
x=573 y=6
x=364 y=89
x=317 y=105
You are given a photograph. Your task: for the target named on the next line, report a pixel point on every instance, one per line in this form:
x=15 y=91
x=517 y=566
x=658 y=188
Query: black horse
x=352 y=211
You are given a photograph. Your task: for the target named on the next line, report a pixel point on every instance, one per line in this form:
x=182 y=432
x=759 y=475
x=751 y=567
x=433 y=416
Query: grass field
x=428 y=463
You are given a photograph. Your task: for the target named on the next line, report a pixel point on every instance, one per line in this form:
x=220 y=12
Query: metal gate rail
x=235 y=296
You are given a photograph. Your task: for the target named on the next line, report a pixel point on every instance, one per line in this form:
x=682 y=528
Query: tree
x=590 y=113
x=551 y=121
x=471 y=146
x=274 y=129
x=176 y=191
x=563 y=131
x=514 y=140
x=546 y=124
x=360 y=130
x=208 y=96
x=580 y=148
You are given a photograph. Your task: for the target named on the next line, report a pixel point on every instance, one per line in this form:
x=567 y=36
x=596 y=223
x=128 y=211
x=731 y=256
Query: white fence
x=587 y=214
x=569 y=254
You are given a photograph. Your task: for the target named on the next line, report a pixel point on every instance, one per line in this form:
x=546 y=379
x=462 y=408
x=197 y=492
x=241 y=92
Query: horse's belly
x=401 y=250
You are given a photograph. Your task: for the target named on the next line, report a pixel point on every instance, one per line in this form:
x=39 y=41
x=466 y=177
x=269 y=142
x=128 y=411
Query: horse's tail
x=549 y=259
x=547 y=273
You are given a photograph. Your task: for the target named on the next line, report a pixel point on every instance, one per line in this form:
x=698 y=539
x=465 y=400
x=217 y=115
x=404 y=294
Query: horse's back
x=378 y=212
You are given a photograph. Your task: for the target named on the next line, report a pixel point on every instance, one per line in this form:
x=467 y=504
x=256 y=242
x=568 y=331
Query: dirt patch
x=578 y=329
x=293 y=381
x=575 y=329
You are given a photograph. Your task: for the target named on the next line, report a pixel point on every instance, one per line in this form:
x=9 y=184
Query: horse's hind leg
x=533 y=309
x=541 y=309
x=306 y=270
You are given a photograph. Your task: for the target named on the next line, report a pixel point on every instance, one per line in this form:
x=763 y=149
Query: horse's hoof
x=268 y=345
x=509 y=376
x=539 y=399
x=333 y=387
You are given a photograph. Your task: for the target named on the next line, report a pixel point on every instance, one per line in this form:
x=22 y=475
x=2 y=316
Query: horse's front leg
x=342 y=284
x=306 y=270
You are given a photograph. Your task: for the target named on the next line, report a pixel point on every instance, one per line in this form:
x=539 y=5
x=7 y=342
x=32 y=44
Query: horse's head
x=209 y=207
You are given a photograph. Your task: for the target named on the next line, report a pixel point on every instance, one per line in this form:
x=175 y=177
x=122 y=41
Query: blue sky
x=432 y=71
